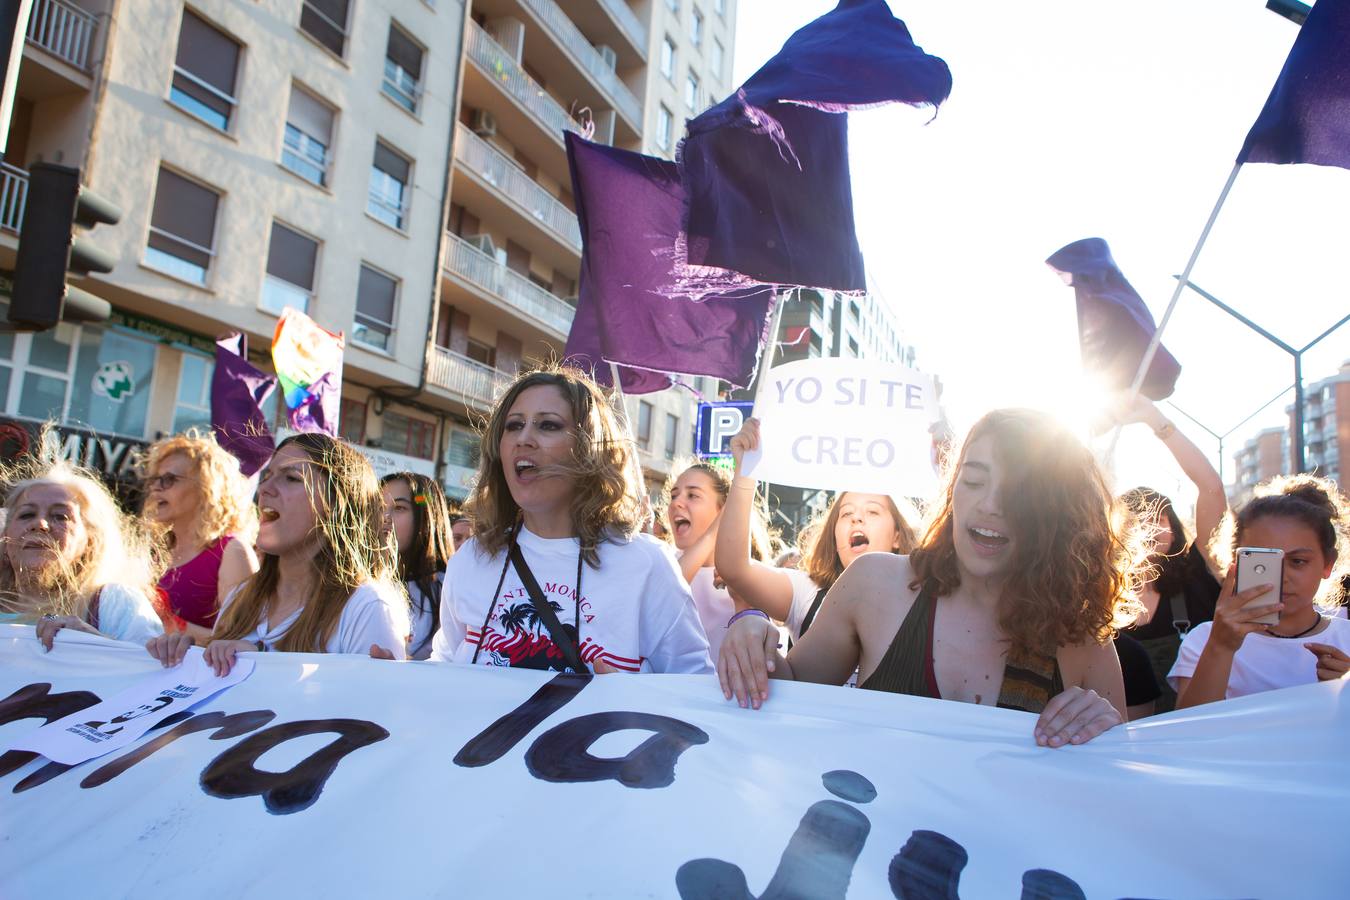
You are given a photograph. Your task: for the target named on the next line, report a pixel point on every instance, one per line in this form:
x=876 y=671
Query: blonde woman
x=71 y=559
x=556 y=514
x=197 y=501
x=326 y=583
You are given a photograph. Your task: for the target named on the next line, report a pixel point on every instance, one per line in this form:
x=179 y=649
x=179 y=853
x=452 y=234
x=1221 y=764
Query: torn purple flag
x=766 y=170
x=1114 y=325
x=1306 y=118
x=629 y=207
x=238 y=391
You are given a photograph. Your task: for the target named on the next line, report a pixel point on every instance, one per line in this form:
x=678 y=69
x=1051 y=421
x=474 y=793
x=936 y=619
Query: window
x=352 y=421
x=668 y=58
x=182 y=227
x=192 y=408
x=720 y=7
x=696 y=28
x=673 y=5
x=665 y=125
x=691 y=92
x=854 y=311
x=204 y=72
x=463 y=450
x=326 y=22
x=45 y=381
x=6 y=360
x=402 y=69
x=309 y=134
x=672 y=434
x=291 y=257
x=388 y=200
x=481 y=353
x=409 y=436
x=376 y=294
x=717 y=54
x=852 y=347
x=644 y=435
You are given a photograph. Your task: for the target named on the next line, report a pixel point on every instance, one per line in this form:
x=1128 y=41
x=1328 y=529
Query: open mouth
x=524 y=468
x=987 y=538
x=268 y=514
x=858 y=541
x=680 y=526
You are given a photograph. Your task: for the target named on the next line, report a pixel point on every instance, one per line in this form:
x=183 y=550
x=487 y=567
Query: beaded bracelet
x=747 y=612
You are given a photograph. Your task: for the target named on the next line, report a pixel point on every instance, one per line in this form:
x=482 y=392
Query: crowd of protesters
x=1025 y=582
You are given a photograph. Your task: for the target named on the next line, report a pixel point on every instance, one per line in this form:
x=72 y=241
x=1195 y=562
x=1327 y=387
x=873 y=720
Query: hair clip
x=420 y=499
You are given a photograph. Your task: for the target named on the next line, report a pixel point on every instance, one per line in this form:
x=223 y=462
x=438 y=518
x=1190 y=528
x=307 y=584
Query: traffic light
x=48 y=249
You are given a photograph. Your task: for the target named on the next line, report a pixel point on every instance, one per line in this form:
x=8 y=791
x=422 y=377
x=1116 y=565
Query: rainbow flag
x=308 y=362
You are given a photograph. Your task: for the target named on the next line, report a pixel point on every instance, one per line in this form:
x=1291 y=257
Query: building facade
x=396 y=170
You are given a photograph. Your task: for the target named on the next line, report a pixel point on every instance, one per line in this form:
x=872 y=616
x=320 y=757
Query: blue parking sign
x=716 y=424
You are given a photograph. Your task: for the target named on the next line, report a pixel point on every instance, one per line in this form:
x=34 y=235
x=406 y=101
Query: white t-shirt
x=419 y=645
x=635 y=611
x=804 y=592
x=124 y=614
x=374 y=614
x=714 y=606
x=1262 y=663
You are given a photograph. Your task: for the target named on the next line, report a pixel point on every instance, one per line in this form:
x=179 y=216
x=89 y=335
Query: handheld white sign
x=123 y=718
x=846 y=424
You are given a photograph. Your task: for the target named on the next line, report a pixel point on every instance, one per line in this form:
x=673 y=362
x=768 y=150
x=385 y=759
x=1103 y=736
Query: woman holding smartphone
x=1009 y=599
x=1237 y=654
x=557 y=574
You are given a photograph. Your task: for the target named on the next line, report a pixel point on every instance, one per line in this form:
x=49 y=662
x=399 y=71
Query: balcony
x=513 y=291
x=614 y=23
x=589 y=59
x=499 y=171
x=13 y=196
x=63 y=30
x=465 y=379
x=501 y=69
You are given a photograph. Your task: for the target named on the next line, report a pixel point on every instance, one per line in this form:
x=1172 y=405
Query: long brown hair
x=1076 y=554
x=349 y=517
x=432 y=542
x=822 y=562
x=606 y=503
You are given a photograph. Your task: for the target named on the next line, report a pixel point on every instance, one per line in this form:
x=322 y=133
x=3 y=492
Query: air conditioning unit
x=483 y=123
x=483 y=242
x=608 y=55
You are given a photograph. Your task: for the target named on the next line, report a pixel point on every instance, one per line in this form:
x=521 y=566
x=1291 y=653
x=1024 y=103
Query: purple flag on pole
x=629 y=207
x=766 y=170
x=1114 y=325
x=238 y=391
x=1306 y=118
x=583 y=351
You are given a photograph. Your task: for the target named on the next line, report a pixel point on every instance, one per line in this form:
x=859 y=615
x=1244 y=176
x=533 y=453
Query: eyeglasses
x=164 y=482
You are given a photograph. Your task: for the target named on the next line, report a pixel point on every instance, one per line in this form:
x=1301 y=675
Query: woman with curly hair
x=856 y=523
x=327 y=582
x=557 y=575
x=197 y=501
x=418 y=515
x=1010 y=599
x=1236 y=654
x=71 y=559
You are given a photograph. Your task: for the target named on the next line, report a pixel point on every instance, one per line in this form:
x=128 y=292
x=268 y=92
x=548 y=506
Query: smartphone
x=1261 y=565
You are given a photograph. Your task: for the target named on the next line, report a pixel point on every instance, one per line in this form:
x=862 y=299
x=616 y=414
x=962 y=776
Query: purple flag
x=1306 y=118
x=583 y=351
x=238 y=391
x=629 y=207
x=766 y=170
x=1114 y=325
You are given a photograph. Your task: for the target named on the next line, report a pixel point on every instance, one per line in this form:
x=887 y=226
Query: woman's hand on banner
x=169 y=648
x=220 y=655
x=749 y=653
x=378 y=652
x=1075 y=716
x=49 y=625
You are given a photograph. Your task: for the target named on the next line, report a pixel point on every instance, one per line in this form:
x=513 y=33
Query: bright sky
x=1072 y=119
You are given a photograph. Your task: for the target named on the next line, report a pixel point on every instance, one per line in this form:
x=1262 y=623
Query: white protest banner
x=121 y=719
x=846 y=424
x=338 y=776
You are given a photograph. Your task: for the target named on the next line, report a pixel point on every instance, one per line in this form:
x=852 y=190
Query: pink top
x=190 y=589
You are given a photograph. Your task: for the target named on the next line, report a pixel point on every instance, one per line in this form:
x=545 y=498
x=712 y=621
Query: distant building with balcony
x=396 y=170
x=1261 y=458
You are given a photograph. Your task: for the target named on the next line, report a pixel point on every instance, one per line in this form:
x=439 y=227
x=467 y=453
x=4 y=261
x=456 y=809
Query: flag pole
x=1156 y=340
x=772 y=345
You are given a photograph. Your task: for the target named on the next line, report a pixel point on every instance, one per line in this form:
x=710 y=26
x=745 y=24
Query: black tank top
x=1030 y=678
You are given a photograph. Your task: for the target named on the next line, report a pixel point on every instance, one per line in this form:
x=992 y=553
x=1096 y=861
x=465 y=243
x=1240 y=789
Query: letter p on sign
x=726 y=421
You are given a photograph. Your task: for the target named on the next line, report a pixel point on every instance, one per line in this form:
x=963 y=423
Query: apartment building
x=395 y=169
x=1262 y=457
